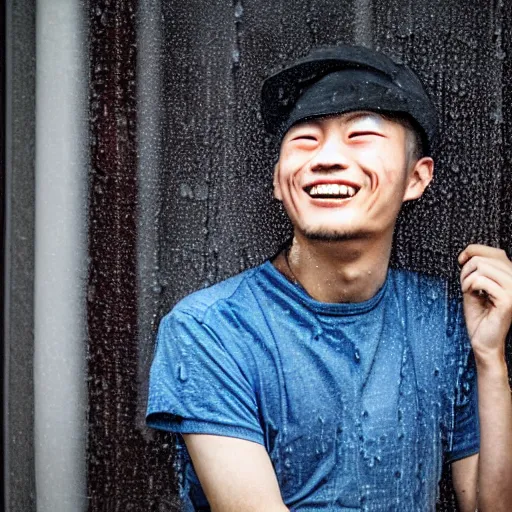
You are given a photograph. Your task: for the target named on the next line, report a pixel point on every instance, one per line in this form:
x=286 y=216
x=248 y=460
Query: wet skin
x=342 y=244
x=361 y=149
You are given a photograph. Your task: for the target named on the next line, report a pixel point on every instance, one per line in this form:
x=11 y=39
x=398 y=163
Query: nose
x=332 y=155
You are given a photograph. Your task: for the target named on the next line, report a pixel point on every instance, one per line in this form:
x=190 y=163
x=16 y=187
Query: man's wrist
x=492 y=364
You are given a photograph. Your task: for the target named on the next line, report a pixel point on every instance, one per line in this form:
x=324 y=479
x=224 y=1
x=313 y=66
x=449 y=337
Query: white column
x=61 y=256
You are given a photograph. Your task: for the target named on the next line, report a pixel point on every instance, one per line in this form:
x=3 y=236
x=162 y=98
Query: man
x=323 y=379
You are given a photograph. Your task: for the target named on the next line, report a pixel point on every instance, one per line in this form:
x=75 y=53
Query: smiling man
x=323 y=379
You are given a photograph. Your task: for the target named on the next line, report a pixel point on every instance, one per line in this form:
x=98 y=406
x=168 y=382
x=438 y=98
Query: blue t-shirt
x=356 y=403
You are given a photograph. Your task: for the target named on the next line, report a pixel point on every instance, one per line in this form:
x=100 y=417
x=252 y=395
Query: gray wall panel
x=20 y=137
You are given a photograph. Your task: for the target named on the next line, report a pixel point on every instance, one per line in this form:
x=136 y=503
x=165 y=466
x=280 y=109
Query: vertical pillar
x=60 y=261
x=18 y=173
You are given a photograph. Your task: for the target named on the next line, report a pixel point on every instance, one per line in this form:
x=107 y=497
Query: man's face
x=345 y=176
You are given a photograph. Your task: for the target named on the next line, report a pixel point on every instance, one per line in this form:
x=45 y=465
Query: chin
x=333 y=235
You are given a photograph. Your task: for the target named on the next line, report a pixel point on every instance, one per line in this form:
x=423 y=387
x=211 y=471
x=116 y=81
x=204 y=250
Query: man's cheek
x=293 y=168
x=389 y=174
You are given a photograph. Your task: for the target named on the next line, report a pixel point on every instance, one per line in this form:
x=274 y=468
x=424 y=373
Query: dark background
x=180 y=181
x=2 y=227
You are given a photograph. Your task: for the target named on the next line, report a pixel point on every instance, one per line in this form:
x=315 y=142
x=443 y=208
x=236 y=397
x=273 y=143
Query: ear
x=419 y=178
x=277 y=188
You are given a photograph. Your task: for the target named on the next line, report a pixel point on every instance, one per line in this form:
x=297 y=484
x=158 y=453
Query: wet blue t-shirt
x=357 y=404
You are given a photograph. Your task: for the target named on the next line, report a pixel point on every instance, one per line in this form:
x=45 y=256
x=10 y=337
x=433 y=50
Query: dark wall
x=2 y=246
x=206 y=210
x=125 y=472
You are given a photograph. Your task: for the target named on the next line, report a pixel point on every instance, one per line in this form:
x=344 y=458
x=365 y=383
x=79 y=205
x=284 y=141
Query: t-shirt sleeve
x=196 y=386
x=465 y=436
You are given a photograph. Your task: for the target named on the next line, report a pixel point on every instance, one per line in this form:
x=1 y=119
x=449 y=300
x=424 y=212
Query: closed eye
x=305 y=137
x=364 y=133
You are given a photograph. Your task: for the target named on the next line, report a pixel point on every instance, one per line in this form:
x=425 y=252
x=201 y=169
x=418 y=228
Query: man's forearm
x=495 y=413
x=243 y=508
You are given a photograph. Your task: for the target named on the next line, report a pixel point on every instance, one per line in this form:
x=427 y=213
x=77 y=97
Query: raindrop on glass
x=239 y=10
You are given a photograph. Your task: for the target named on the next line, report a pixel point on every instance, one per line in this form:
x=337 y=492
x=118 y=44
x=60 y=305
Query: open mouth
x=331 y=191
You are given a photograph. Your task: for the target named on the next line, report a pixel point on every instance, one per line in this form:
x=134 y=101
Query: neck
x=340 y=271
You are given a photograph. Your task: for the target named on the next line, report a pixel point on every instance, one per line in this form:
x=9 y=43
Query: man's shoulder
x=420 y=282
x=235 y=289
x=428 y=296
x=420 y=293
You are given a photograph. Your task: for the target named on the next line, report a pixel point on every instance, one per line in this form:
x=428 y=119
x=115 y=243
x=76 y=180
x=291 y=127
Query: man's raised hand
x=486 y=281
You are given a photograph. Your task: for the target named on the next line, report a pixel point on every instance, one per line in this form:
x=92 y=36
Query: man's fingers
x=485 y=287
x=498 y=270
x=481 y=250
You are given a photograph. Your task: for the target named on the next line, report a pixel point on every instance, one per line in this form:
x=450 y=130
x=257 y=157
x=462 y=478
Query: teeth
x=332 y=189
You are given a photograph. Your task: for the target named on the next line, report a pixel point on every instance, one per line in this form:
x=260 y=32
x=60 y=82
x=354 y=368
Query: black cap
x=340 y=79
